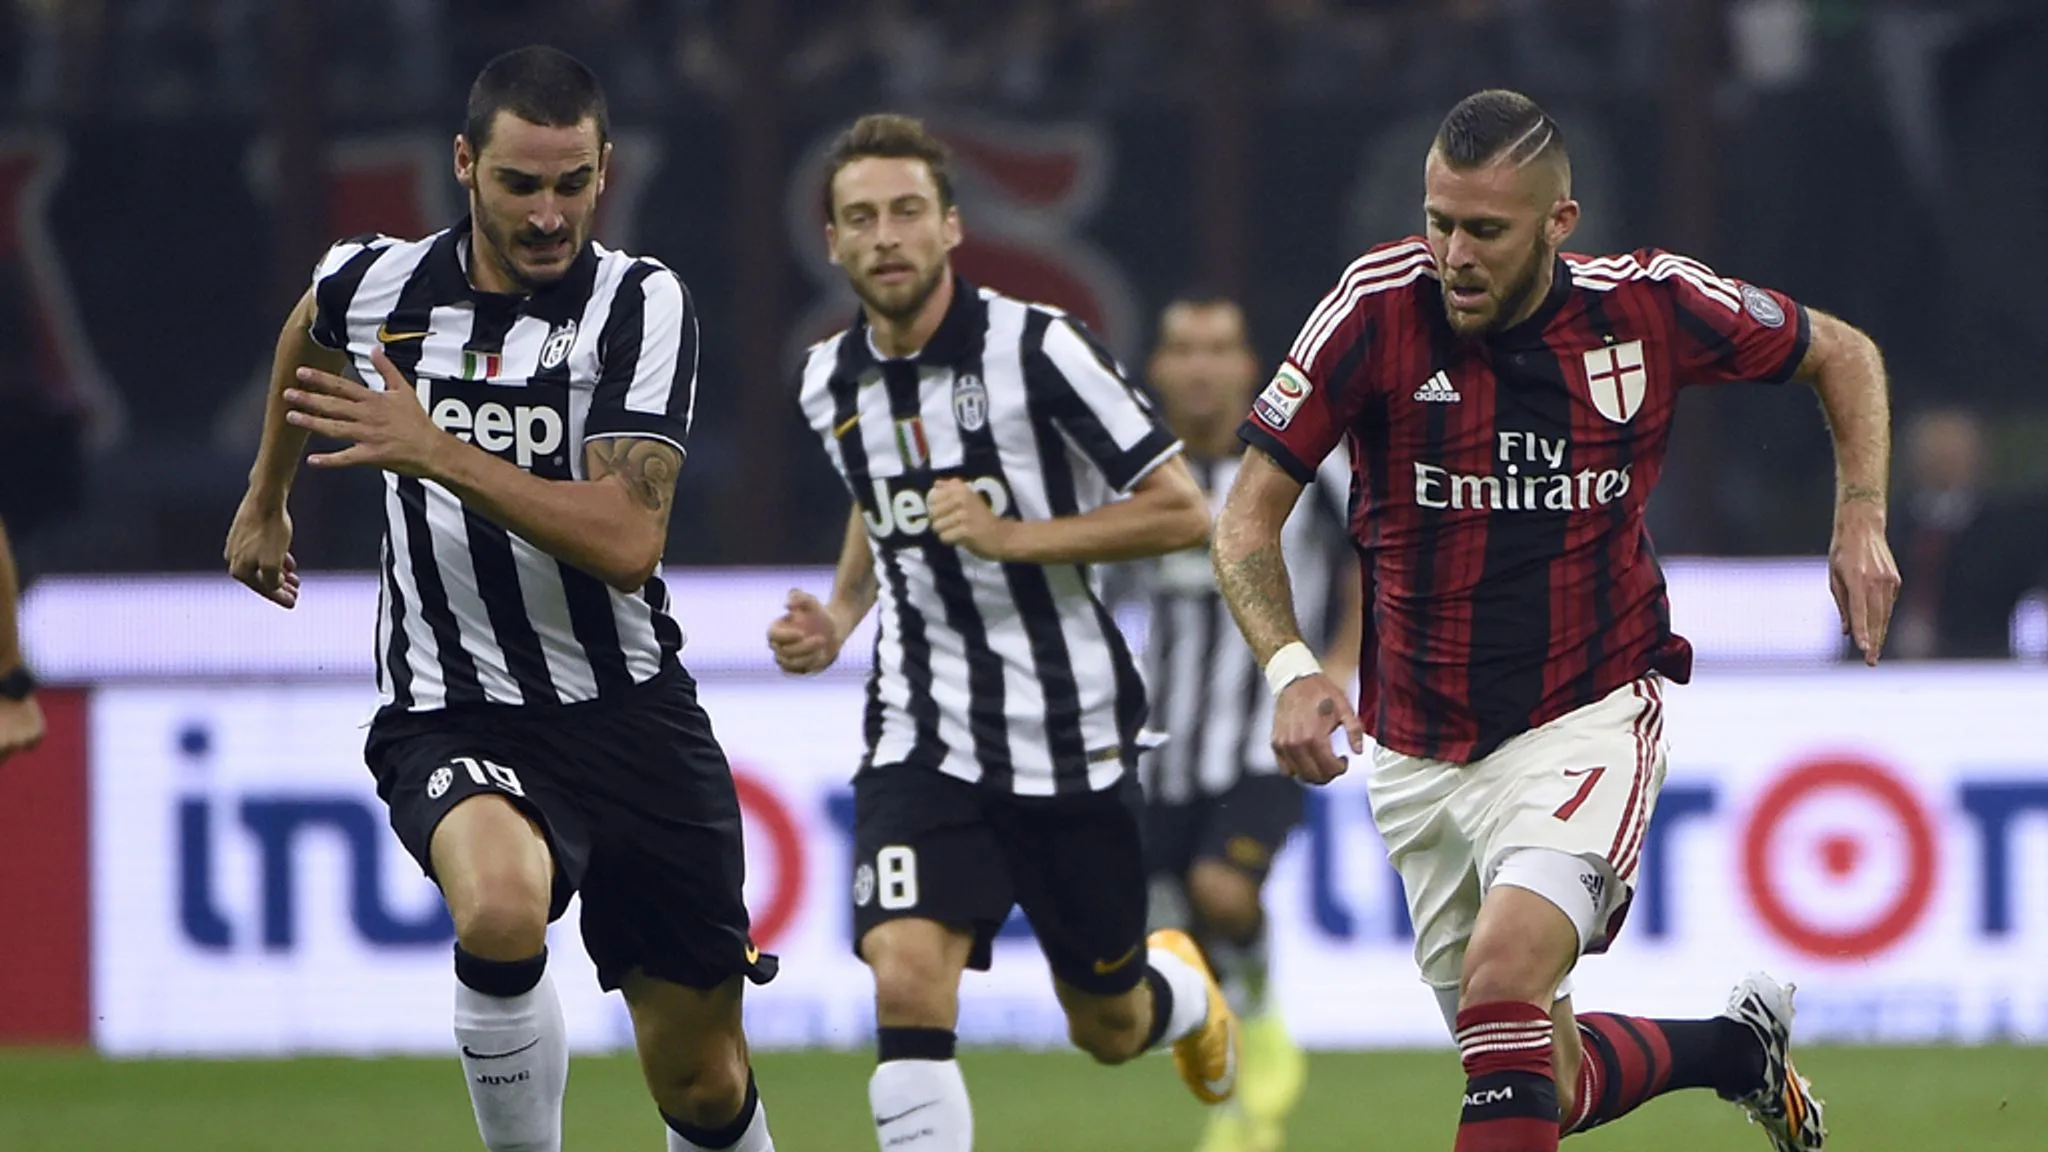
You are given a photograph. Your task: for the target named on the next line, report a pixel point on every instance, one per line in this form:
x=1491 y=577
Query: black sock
x=500 y=977
x=1162 y=1007
x=914 y=1044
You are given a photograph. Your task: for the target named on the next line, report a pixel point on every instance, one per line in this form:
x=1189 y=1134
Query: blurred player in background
x=1507 y=409
x=1217 y=807
x=21 y=718
x=994 y=453
x=529 y=403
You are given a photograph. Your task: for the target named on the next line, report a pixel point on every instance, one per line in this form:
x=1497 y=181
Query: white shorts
x=1583 y=784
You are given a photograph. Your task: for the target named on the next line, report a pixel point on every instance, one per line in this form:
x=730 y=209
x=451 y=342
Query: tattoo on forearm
x=1863 y=493
x=1256 y=586
x=647 y=468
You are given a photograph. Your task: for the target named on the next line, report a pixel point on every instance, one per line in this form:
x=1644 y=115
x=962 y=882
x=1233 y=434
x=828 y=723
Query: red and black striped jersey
x=1500 y=483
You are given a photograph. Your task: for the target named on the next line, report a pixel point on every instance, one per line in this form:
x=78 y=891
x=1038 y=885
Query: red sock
x=1630 y=1059
x=1510 y=1098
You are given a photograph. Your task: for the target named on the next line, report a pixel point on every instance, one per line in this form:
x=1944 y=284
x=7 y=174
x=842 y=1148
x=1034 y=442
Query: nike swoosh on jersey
x=498 y=1055
x=387 y=336
x=885 y=1121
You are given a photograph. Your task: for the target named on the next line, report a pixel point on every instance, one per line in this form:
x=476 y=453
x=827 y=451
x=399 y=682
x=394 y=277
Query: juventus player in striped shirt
x=1507 y=410
x=529 y=397
x=994 y=452
x=1217 y=808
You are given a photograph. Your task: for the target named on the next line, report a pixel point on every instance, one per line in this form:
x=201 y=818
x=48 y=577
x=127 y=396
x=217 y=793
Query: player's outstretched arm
x=1251 y=571
x=808 y=636
x=259 y=540
x=21 y=721
x=1846 y=369
x=1165 y=512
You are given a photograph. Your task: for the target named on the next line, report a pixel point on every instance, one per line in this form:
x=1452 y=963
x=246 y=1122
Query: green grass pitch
x=1879 y=1100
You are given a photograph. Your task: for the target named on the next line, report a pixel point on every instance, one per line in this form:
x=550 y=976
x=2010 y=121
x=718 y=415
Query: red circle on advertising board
x=763 y=809
x=1907 y=906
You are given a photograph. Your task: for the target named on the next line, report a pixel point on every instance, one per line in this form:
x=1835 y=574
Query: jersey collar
x=448 y=275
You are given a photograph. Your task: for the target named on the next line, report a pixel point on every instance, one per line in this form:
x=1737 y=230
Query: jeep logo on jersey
x=1616 y=377
x=902 y=512
x=521 y=433
x=557 y=348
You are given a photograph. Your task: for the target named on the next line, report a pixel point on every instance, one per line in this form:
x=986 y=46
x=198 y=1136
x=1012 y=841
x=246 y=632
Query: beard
x=504 y=244
x=1511 y=301
x=909 y=305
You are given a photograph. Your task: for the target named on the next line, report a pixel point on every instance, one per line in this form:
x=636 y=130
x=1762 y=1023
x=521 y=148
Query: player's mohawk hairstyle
x=1497 y=125
x=896 y=137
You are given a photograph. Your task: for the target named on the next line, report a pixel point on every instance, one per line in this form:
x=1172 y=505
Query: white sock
x=921 y=1106
x=1190 y=991
x=754 y=1139
x=515 y=1056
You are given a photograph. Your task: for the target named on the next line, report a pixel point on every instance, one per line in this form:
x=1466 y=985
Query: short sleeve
x=1302 y=413
x=335 y=280
x=1108 y=418
x=1726 y=330
x=648 y=383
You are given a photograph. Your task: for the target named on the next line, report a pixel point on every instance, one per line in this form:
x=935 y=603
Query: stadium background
x=193 y=871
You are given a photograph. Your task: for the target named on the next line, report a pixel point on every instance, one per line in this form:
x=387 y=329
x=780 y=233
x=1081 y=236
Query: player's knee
x=1107 y=1029
x=501 y=918
x=704 y=1087
x=1225 y=900
x=1505 y=970
x=913 y=987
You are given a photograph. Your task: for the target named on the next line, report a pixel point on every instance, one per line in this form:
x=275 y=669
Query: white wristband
x=1289 y=664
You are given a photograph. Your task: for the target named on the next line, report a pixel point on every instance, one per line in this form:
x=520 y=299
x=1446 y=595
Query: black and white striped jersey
x=1010 y=675
x=469 y=611
x=1207 y=689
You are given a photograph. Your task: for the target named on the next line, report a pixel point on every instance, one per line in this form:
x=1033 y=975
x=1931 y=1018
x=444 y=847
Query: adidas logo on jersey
x=1438 y=389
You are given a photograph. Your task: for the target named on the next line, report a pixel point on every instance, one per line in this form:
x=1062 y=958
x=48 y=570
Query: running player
x=528 y=399
x=994 y=452
x=1507 y=409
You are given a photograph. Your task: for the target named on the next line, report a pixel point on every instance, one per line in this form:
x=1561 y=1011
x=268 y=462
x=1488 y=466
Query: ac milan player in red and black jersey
x=1507 y=409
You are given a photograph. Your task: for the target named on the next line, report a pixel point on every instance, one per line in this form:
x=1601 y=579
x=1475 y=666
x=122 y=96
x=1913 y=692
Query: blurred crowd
x=1970 y=511
x=396 y=57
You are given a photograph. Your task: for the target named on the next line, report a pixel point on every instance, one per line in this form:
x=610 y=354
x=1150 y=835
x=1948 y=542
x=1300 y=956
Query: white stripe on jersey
x=1377 y=273
x=1203 y=678
x=471 y=612
x=953 y=625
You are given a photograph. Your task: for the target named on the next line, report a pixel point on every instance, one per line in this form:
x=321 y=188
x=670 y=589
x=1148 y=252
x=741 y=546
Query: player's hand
x=807 y=637
x=387 y=429
x=258 y=551
x=961 y=517
x=21 y=726
x=1307 y=712
x=1863 y=577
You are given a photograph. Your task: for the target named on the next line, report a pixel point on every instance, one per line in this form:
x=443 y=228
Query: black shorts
x=938 y=848
x=637 y=802
x=1243 y=827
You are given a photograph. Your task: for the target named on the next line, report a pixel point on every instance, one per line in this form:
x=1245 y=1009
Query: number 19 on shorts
x=891 y=881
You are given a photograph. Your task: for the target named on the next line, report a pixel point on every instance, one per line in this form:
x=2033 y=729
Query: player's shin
x=1629 y=1060
x=515 y=1054
x=748 y=1131
x=1510 y=1098
x=1241 y=967
x=919 y=1097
